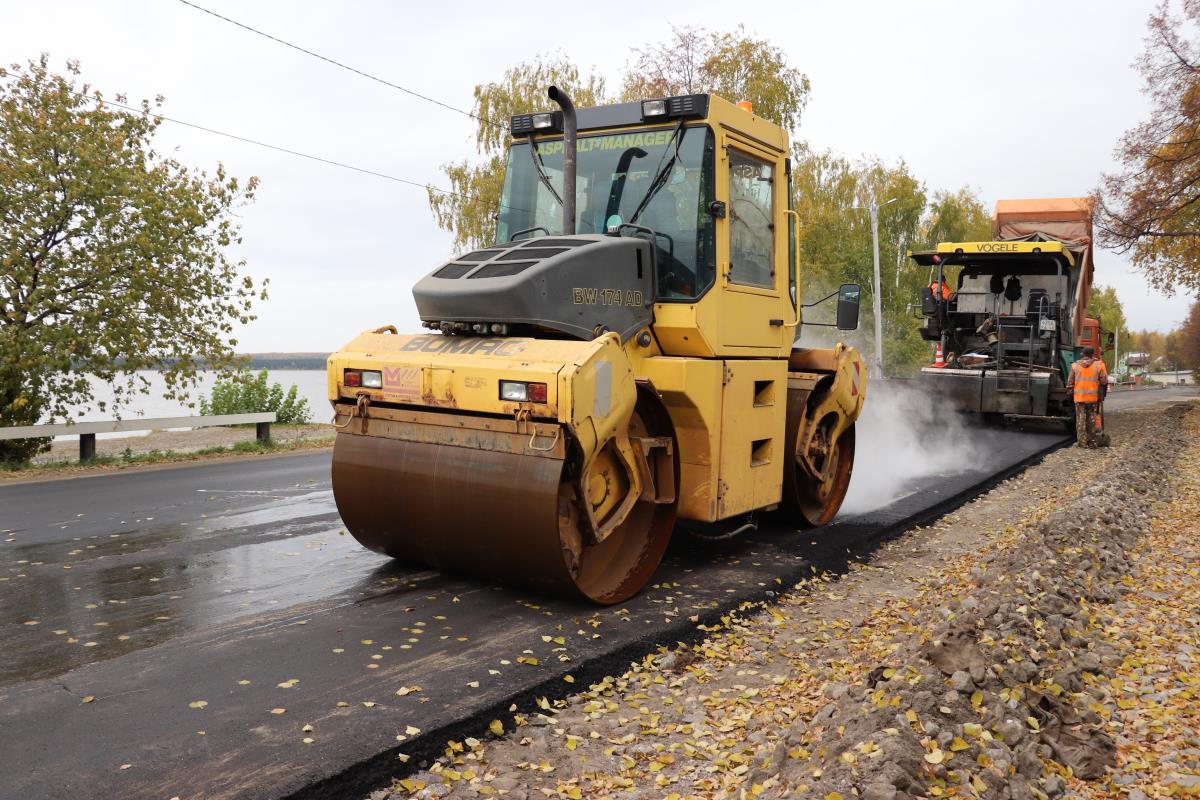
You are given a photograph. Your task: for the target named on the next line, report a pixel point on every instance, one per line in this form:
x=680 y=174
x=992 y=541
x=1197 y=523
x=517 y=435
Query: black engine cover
x=578 y=285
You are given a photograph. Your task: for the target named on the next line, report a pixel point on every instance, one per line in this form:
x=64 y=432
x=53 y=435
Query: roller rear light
x=366 y=378
x=522 y=392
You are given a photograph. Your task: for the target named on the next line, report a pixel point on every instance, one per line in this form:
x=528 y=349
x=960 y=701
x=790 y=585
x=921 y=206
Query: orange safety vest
x=945 y=290
x=1087 y=380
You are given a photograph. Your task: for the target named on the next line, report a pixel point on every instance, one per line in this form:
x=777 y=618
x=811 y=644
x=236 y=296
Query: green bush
x=248 y=393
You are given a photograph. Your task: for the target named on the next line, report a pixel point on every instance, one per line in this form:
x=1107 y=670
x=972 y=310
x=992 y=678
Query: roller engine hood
x=580 y=286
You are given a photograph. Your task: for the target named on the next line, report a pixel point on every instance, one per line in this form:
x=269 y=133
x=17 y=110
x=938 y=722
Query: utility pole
x=873 y=208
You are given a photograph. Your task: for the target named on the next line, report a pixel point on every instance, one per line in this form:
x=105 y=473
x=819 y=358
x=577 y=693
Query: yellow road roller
x=621 y=361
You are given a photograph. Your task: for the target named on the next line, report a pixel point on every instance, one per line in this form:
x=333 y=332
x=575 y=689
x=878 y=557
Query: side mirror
x=1108 y=340
x=847 y=307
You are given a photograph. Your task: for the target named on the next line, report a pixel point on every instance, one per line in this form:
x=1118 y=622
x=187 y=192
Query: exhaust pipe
x=569 y=130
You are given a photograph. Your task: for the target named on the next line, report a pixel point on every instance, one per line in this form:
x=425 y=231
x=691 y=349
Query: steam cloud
x=904 y=440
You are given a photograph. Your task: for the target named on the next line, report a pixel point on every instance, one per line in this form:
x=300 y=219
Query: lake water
x=310 y=384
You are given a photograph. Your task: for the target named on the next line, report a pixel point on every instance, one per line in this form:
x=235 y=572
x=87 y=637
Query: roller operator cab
x=621 y=359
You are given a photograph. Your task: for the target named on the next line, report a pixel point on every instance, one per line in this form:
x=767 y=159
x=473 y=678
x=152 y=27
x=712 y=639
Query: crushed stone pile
x=995 y=701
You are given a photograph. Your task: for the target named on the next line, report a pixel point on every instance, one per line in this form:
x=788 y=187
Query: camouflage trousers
x=1087 y=433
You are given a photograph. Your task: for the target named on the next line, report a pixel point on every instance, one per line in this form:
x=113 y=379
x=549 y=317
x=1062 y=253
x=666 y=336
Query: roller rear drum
x=510 y=517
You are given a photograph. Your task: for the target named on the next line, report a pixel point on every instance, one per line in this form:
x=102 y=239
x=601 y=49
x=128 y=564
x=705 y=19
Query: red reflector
x=352 y=378
x=537 y=392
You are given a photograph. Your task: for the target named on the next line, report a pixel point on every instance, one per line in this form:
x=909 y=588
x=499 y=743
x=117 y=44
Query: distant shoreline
x=270 y=361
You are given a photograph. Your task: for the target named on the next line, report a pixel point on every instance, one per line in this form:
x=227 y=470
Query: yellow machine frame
x=723 y=367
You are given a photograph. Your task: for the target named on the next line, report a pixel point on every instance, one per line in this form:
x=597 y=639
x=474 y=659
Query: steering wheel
x=676 y=277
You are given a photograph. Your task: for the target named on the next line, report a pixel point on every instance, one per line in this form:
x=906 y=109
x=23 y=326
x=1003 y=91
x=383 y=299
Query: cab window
x=751 y=220
x=658 y=178
x=791 y=233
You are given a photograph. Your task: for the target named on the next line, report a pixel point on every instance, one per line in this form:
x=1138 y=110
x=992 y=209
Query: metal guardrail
x=87 y=430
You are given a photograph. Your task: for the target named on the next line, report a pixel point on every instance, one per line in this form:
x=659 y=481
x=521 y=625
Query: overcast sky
x=1020 y=99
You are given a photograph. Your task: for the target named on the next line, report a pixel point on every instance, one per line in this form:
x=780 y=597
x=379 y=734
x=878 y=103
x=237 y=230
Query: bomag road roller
x=622 y=357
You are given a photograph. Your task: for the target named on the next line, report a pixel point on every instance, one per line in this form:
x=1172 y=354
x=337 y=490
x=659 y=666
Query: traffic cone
x=938 y=359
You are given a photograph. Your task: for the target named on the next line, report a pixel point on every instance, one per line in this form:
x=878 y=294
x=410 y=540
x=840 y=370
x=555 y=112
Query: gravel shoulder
x=1000 y=653
x=188 y=441
x=1151 y=699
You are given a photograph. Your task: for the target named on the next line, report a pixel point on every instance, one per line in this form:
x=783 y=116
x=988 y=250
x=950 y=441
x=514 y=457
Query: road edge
x=106 y=470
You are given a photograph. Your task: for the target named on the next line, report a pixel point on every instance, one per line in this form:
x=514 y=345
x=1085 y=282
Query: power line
x=347 y=67
x=280 y=149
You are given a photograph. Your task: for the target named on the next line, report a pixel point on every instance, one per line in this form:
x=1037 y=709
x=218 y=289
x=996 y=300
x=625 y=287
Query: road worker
x=943 y=289
x=1089 y=384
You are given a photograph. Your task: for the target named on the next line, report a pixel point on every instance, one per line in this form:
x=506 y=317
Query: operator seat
x=1038 y=301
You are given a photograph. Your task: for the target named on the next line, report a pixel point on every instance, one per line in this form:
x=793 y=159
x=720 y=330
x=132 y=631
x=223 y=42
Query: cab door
x=752 y=282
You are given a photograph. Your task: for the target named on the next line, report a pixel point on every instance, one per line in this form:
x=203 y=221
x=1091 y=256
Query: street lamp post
x=1117 y=353
x=873 y=209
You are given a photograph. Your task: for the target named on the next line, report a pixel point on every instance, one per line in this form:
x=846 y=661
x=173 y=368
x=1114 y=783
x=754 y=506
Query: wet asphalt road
x=173 y=632
x=1124 y=399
